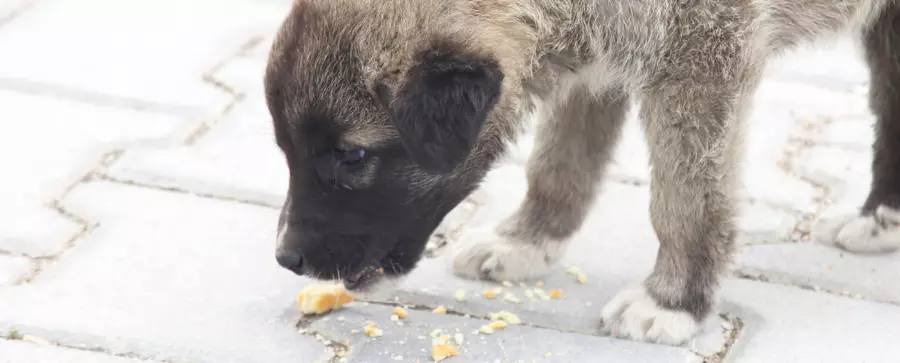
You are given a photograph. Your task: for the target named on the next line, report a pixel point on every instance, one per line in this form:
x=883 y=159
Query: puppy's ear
x=443 y=102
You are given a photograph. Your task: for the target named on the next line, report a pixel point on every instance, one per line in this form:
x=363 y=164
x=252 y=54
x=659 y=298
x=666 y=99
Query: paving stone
x=132 y=64
x=787 y=324
x=412 y=340
x=47 y=144
x=813 y=265
x=13 y=269
x=846 y=175
x=167 y=276
x=238 y=158
x=12 y=351
x=834 y=63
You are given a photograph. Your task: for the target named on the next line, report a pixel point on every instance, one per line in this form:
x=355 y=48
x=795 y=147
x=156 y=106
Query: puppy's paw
x=483 y=254
x=634 y=314
x=875 y=233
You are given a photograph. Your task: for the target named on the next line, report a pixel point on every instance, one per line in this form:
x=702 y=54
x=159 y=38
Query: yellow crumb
x=548 y=355
x=573 y=271
x=320 y=299
x=458 y=338
x=372 y=331
x=381 y=270
x=441 y=351
x=541 y=293
x=505 y=316
x=539 y=284
x=507 y=283
x=492 y=293
x=460 y=295
x=556 y=294
x=529 y=294
x=435 y=333
x=440 y=310
x=511 y=298
x=497 y=324
x=486 y=329
x=400 y=312
x=582 y=278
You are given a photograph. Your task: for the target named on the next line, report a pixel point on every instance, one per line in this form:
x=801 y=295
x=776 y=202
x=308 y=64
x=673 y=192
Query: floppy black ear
x=441 y=106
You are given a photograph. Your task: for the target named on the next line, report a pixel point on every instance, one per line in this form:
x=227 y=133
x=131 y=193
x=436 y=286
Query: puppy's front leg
x=574 y=142
x=693 y=133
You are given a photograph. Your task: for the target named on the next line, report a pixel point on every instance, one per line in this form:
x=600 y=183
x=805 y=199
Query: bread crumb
x=507 y=283
x=400 y=312
x=556 y=294
x=394 y=317
x=529 y=294
x=581 y=278
x=460 y=295
x=435 y=333
x=458 y=338
x=486 y=329
x=497 y=324
x=440 y=310
x=548 y=354
x=492 y=293
x=441 y=351
x=512 y=298
x=539 y=283
x=372 y=331
x=541 y=293
x=574 y=271
x=322 y=298
x=506 y=316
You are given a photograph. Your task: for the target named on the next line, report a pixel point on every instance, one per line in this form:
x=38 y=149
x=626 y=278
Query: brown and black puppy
x=390 y=112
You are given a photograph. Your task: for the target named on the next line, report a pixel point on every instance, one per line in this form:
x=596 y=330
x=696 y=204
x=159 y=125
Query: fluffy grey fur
x=576 y=64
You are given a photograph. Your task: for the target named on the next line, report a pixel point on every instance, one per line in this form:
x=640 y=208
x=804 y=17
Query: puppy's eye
x=350 y=157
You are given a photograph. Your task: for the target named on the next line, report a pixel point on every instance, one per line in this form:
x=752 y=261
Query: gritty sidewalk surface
x=142 y=184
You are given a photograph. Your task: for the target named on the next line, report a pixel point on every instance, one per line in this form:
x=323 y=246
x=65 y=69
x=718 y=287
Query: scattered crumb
x=460 y=295
x=574 y=271
x=435 y=333
x=486 y=329
x=372 y=331
x=507 y=283
x=505 y=316
x=400 y=312
x=381 y=270
x=354 y=331
x=497 y=324
x=556 y=294
x=458 y=338
x=492 y=293
x=529 y=294
x=322 y=298
x=547 y=354
x=541 y=293
x=581 y=278
x=539 y=284
x=440 y=352
x=523 y=285
x=512 y=298
x=440 y=310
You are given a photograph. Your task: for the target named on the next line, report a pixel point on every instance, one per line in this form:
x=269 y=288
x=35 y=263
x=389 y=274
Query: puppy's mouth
x=371 y=274
x=366 y=277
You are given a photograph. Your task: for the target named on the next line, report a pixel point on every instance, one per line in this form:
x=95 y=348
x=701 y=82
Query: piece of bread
x=320 y=299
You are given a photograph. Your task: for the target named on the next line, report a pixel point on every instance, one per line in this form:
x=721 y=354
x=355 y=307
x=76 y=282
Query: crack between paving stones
x=732 y=336
x=16 y=335
x=209 y=77
x=751 y=274
x=224 y=198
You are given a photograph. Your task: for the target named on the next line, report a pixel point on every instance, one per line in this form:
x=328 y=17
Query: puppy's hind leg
x=574 y=143
x=876 y=227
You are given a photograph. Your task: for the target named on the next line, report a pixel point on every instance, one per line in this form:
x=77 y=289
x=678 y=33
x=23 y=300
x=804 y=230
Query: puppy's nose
x=290 y=260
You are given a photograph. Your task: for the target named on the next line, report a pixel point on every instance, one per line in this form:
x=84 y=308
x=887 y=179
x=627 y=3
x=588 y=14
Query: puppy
x=390 y=113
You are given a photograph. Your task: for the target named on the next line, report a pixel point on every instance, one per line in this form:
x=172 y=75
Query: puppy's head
x=387 y=113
